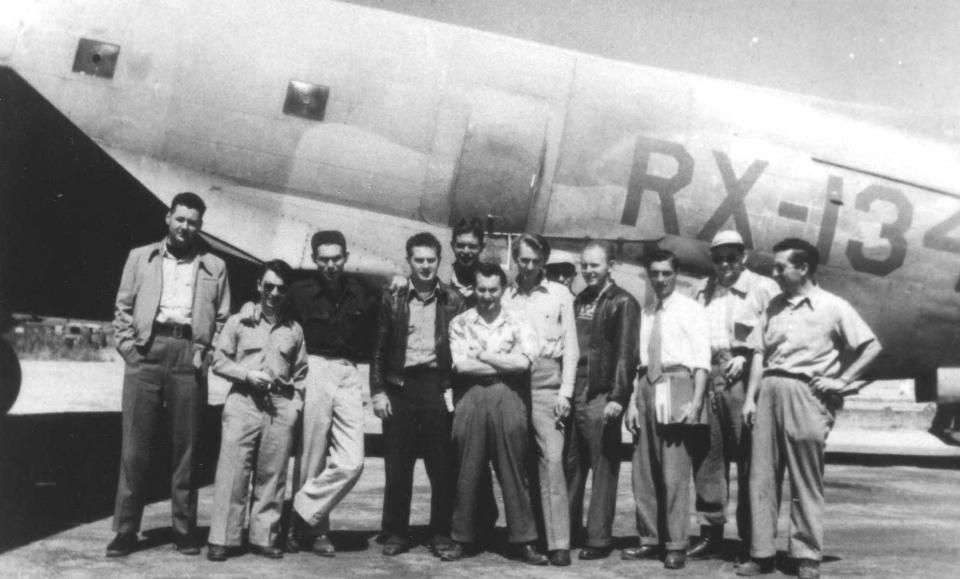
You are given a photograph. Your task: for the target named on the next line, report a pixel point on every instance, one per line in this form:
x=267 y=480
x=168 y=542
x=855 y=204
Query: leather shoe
x=641 y=552
x=323 y=547
x=755 y=567
x=808 y=569
x=393 y=549
x=216 y=553
x=268 y=552
x=708 y=545
x=454 y=552
x=560 y=557
x=529 y=555
x=591 y=553
x=675 y=560
x=122 y=545
x=186 y=544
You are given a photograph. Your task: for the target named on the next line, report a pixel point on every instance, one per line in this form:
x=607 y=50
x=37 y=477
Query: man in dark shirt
x=339 y=321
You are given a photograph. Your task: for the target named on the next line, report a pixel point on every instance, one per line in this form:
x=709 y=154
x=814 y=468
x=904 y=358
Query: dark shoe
x=216 y=553
x=591 y=553
x=641 y=552
x=675 y=560
x=393 y=549
x=708 y=545
x=755 y=567
x=560 y=557
x=186 y=544
x=323 y=547
x=293 y=541
x=529 y=555
x=440 y=543
x=808 y=569
x=268 y=552
x=455 y=552
x=122 y=545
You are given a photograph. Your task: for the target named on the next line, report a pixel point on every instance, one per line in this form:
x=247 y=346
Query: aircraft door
x=501 y=163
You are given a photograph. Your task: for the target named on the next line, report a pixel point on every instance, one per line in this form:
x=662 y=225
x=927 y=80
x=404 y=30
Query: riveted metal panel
x=96 y=58
x=305 y=100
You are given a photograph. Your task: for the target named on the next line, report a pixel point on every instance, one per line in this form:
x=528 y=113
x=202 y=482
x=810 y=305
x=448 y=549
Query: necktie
x=654 y=348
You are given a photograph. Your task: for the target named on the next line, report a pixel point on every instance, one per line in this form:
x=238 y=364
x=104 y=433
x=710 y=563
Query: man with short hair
x=548 y=306
x=801 y=341
x=674 y=360
x=173 y=299
x=409 y=379
x=339 y=322
x=607 y=334
x=734 y=298
x=467 y=242
x=266 y=363
x=492 y=350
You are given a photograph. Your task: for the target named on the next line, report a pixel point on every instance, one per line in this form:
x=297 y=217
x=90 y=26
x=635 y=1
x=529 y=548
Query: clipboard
x=671 y=396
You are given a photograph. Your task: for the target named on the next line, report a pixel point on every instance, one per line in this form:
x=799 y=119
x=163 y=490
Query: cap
x=561 y=256
x=728 y=237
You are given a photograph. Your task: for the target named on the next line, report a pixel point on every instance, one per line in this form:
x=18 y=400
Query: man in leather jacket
x=607 y=330
x=409 y=379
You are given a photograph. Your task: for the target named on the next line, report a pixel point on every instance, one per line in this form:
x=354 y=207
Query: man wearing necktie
x=675 y=361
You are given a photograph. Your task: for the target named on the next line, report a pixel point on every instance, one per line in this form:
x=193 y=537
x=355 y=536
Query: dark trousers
x=490 y=422
x=592 y=445
x=420 y=421
x=662 y=468
x=729 y=442
x=163 y=376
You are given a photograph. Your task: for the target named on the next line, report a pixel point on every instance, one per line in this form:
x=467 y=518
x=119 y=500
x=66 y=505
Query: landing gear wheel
x=10 y=377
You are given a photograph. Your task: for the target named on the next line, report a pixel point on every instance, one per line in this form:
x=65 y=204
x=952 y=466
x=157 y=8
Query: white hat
x=561 y=256
x=728 y=237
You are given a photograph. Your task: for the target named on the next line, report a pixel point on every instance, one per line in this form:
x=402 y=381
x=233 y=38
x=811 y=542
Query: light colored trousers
x=256 y=428
x=549 y=435
x=331 y=454
x=790 y=433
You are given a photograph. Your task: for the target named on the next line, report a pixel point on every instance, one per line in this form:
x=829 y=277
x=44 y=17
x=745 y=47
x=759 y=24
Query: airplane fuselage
x=331 y=115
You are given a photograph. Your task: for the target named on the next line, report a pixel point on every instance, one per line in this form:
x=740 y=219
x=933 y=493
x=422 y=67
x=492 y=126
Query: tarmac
x=893 y=498
x=881 y=522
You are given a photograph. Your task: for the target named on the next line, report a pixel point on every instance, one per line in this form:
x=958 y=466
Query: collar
x=500 y=320
x=200 y=253
x=812 y=296
x=413 y=294
x=667 y=302
x=540 y=286
x=260 y=318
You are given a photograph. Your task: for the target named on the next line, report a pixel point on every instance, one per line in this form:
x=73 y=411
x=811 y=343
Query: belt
x=484 y=380
x=278 y=388
x=178 y=331
x=784 y=374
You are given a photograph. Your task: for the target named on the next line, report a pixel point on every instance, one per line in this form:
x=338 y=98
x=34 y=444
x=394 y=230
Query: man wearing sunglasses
x=266 y=362
x=734 y=298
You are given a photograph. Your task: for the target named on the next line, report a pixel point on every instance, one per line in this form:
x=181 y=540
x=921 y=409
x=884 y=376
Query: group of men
x=481 y=370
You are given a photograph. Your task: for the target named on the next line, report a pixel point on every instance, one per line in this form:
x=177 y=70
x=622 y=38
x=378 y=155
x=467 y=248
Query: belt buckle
x=178 y=332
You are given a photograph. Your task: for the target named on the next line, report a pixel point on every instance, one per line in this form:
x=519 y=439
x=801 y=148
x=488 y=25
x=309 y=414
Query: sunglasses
x=269 y=287
x=718 y=259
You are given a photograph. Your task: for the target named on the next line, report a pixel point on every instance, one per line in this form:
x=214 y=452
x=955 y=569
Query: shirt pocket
x=250 y=342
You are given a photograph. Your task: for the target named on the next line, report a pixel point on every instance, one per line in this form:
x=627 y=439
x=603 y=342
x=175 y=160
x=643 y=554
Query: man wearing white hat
x=734 y=298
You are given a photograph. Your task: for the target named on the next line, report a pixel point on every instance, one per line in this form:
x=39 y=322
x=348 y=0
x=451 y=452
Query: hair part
x=487 y=269
x=535 y=242
x=281 y=268
x=189 y=200
x=328 y=237
x=801 y=252
x=423 y=239
x=658 y=255
x=473 y=226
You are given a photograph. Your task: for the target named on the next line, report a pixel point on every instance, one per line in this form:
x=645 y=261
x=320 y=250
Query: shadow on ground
x=58 y=471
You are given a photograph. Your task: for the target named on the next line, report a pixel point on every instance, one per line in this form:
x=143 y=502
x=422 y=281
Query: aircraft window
x=96 y=58
x=305 y=100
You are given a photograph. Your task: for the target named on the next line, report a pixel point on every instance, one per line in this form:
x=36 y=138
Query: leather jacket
x=612 y=354
x=390 y=346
